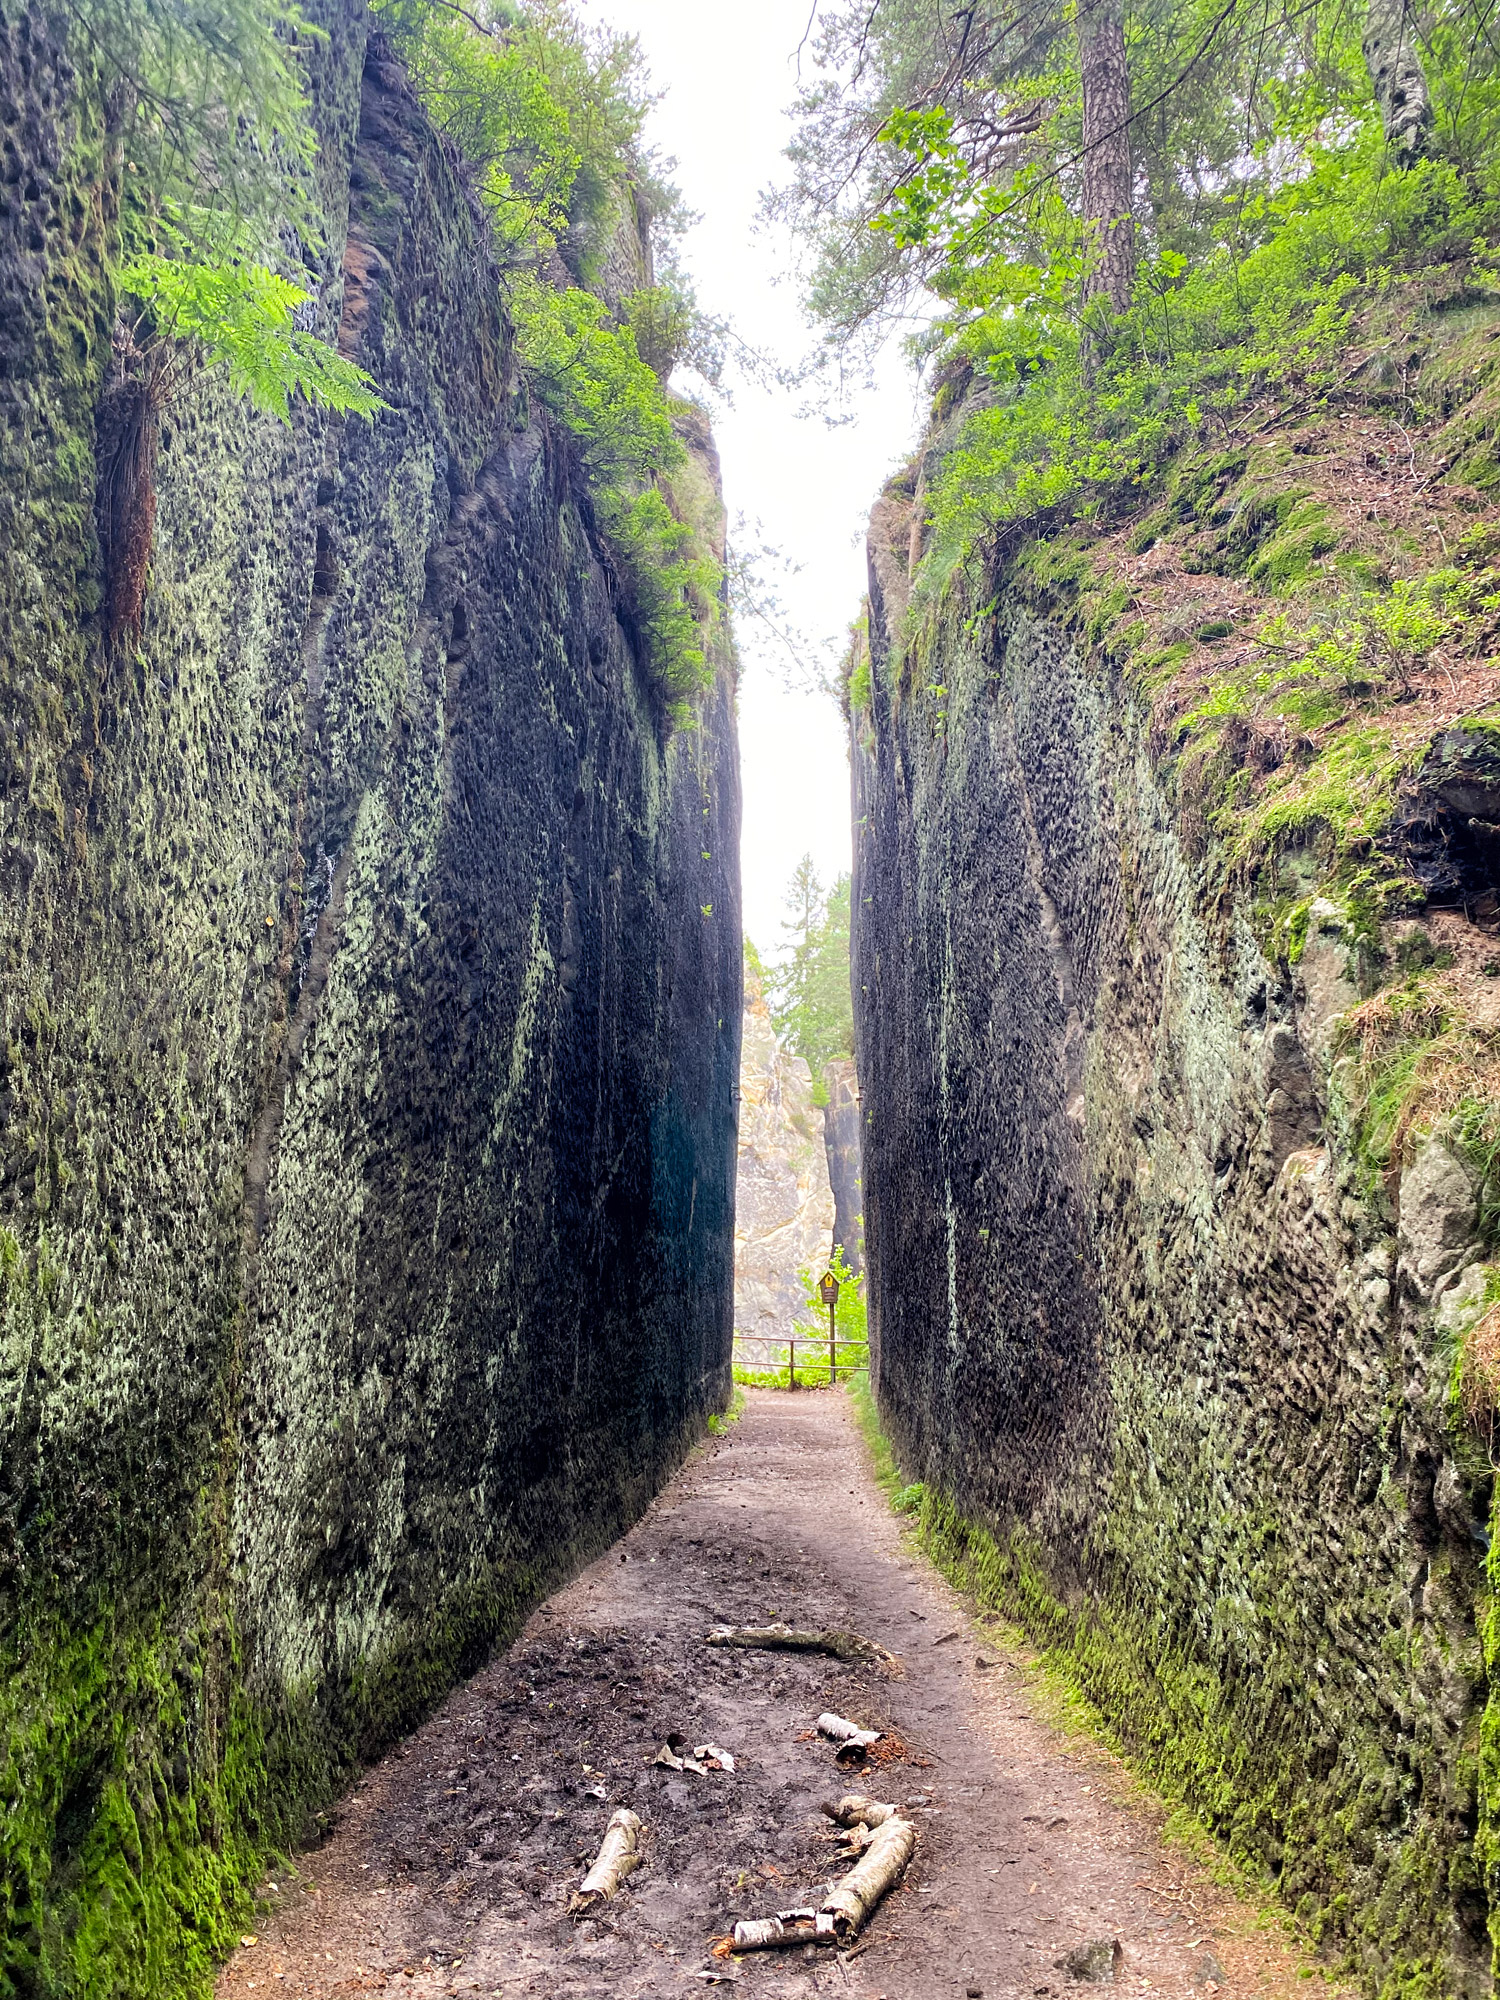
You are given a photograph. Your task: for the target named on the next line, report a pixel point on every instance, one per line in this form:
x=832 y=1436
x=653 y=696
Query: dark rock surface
x=1173 y=1386
x=371 y=994
x=841 y=1122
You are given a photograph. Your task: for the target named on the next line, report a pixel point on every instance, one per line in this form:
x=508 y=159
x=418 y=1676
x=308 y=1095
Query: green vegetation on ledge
x=549 y=115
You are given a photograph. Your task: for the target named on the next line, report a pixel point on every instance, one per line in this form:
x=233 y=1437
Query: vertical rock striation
x=371 y=994
x=1172 y=1380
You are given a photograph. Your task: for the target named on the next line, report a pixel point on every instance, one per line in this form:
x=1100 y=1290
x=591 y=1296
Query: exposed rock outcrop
x=371 y=995
x=841 y=1142
x=784 y=1207
x=1165 y=1361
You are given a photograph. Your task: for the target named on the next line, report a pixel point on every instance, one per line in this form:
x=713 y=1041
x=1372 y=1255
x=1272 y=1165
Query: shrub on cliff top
x=549 y=116
x=1272 y=190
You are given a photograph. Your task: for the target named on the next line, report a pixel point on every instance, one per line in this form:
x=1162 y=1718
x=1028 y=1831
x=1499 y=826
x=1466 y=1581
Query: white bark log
x=853 y=1901
x=838 y=1729
x=854 y=1809
x=617 y=1856
x=787 y=1927
x=787 y=1639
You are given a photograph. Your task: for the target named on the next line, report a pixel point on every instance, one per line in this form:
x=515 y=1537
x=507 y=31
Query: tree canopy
x=808 y=990
x=1113 y=224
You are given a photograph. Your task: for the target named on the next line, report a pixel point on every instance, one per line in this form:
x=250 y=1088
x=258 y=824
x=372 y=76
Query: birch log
x=787 y=1927
x=616 y=1857
x=852 y=1902
x=787 y=1639
x=851 y=1739
x=854 y=1809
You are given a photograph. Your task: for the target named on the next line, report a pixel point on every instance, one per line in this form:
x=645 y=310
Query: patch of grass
x=809 y=1376
x=1409 y=1060
x=720 y=1420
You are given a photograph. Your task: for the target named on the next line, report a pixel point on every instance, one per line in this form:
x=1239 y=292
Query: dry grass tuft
x=1481 y=1366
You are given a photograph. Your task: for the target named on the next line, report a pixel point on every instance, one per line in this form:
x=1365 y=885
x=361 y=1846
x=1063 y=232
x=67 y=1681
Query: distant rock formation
x=841 y=1116
x=784 y=1206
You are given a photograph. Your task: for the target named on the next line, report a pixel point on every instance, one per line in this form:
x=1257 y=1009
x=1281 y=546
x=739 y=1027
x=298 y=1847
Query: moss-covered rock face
x=370 y=1032
x=1159 y=1317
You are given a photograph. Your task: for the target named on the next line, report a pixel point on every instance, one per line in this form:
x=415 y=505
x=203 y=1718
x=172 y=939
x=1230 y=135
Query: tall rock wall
x=784 y=1206
x=1179 y=1381
x=370 y=980
x=841 y=1142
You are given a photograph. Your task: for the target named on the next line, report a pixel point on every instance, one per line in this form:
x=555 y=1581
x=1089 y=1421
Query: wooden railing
x=829 y=1360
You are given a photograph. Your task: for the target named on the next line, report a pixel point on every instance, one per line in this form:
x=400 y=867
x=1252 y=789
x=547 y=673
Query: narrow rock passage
x=450 y=1866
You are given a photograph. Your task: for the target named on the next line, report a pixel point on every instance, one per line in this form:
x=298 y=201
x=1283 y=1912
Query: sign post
x=828 y=1290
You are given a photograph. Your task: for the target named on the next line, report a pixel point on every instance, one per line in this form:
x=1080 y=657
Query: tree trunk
x=1395 y=66
x=1106 y=149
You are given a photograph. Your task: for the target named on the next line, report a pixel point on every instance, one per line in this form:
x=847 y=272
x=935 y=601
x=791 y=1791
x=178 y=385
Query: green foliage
x=719 y=1422
x=218 y=151
x=210 y=104
x=938 y=154
x=674 y=587
x=662 y=320
x=1411 y=1058
x=589 y=371
x=1314 y=708
x=809 y=1360
x=850 y=1314
x=243 y=317
x=809 y=993
x=548 y=114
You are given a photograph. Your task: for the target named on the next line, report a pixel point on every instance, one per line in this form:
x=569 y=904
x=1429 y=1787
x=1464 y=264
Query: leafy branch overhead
x=549 y=115
x=1119 y=226
x=219 y=220
x=245 y=318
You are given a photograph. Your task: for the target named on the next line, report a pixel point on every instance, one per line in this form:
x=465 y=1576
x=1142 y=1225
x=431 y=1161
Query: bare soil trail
x=450 y=1866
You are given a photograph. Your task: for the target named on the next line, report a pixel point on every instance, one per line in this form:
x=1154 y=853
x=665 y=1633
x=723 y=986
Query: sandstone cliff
x=784 y=1207
x=1169 y=1321
x=371 y=993
x=841 y=1142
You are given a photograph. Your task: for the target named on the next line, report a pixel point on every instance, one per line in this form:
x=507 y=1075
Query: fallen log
x=618 y=1855
x=853 y=1741
x=854 y=1809
x=788 y=1639
x=852 y=1901
x=786 y=1928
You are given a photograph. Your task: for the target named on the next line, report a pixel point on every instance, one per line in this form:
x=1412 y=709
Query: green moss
x=1163 y=1709
x=1307 y=533
x=1349 y=792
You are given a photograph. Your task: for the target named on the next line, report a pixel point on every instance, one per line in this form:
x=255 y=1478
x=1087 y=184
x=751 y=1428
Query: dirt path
x=450 y=1865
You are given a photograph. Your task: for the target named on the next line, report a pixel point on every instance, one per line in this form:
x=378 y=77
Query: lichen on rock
x=370 y=1034
x=1173 y=941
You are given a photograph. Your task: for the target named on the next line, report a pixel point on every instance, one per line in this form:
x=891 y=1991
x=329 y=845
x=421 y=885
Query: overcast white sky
x=727 y=73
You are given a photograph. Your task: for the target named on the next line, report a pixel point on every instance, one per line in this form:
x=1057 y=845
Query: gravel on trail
x=448 y=1869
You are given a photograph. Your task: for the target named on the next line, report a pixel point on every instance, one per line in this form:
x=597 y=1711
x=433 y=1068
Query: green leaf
x=241 y=316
